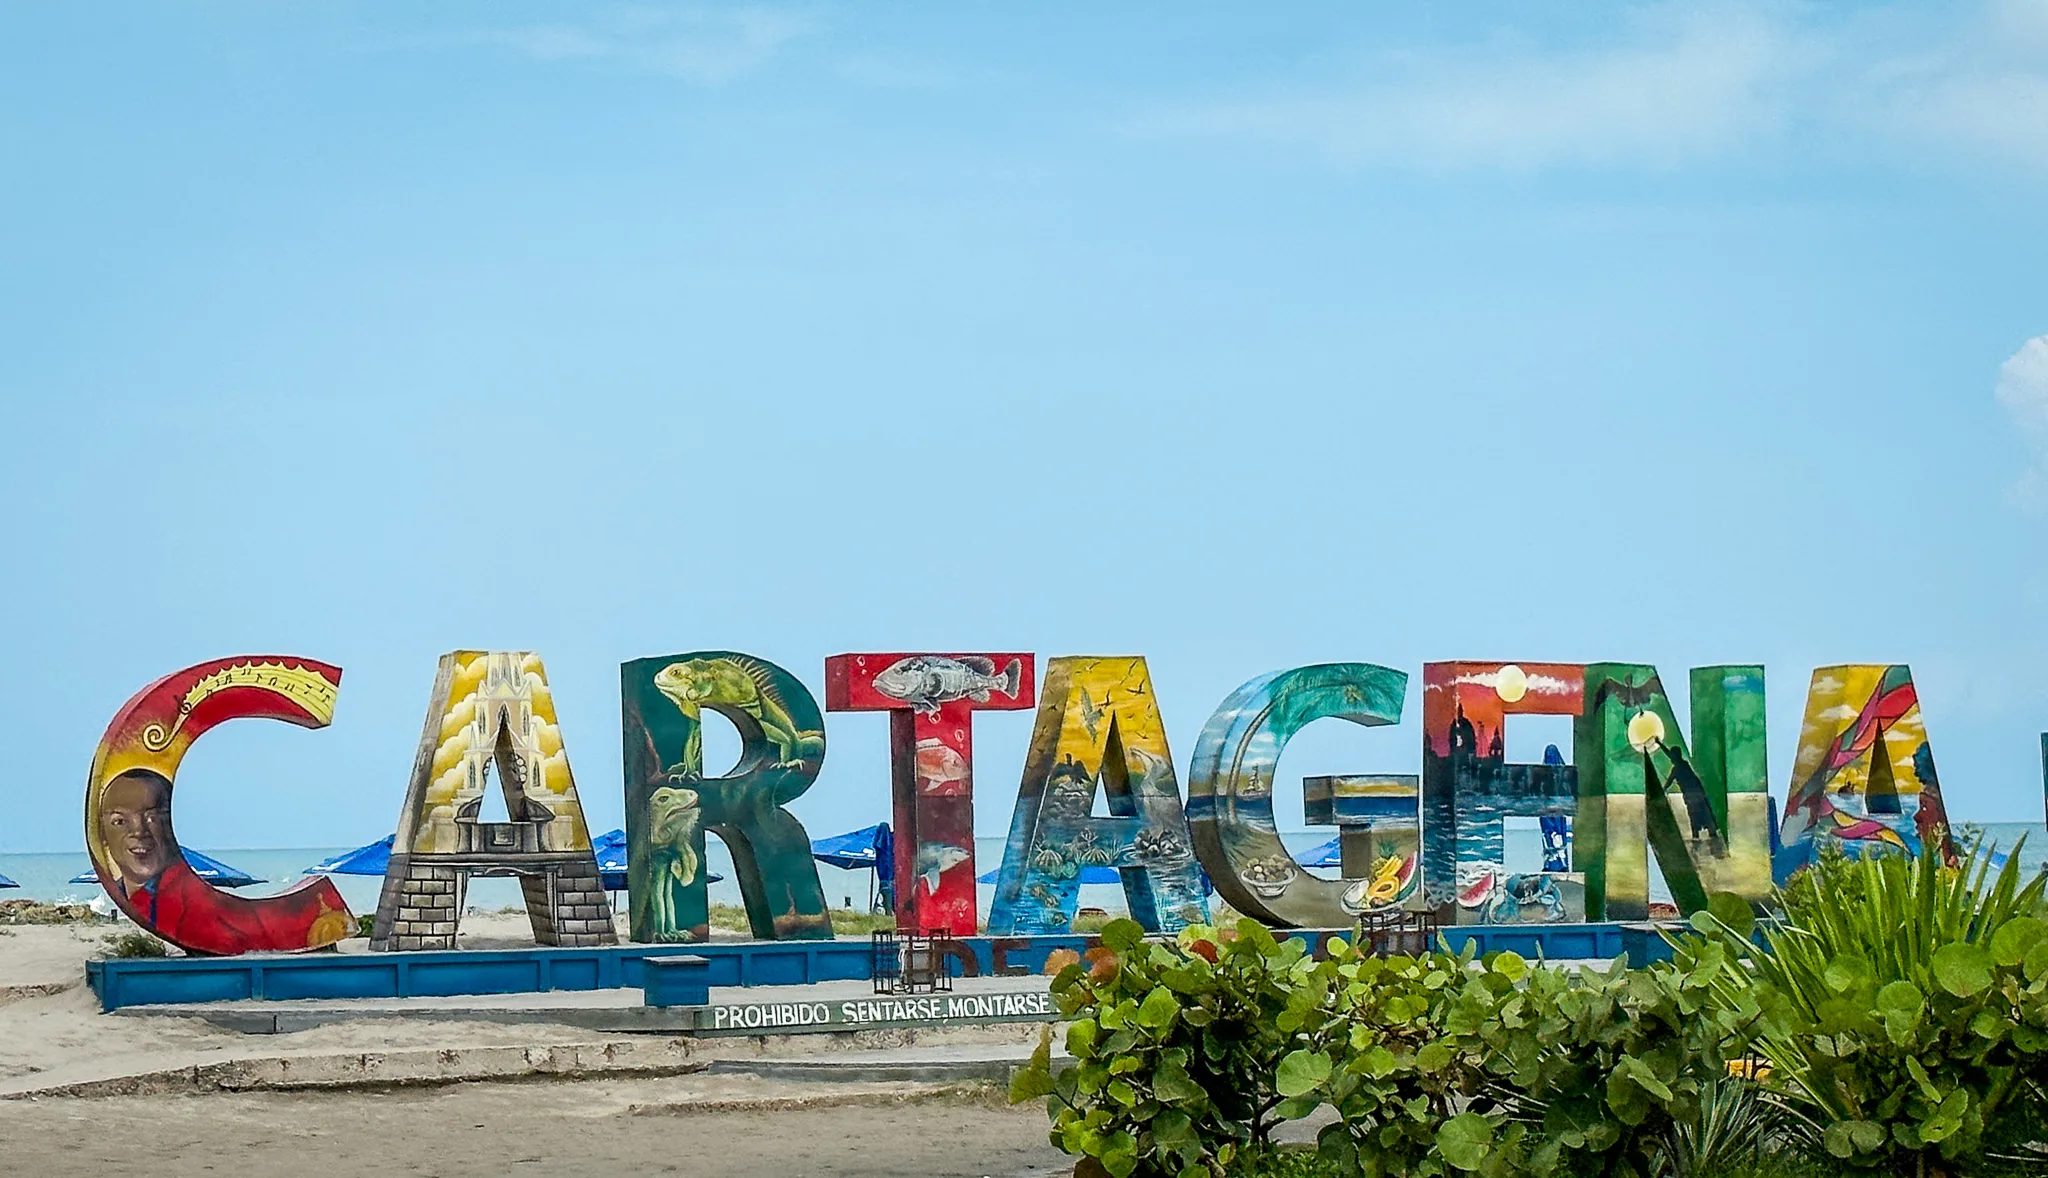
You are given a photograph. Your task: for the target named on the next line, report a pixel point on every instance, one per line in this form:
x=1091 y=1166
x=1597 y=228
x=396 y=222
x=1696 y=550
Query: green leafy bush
x=1899 y=1009
x=1188 y=1054
x=1185 y=1054
x=1904 y=1008
x=1408 y=1086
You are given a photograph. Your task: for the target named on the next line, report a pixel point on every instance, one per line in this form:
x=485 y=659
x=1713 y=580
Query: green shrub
x=1901 y=1011
x=1408 y=1086
x=1185 y=1054
x=1904 y=1009
x=1435 y=1065
x=133 y=944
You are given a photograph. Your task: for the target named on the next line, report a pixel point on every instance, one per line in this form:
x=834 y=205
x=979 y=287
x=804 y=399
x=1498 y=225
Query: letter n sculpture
x=1704 y=808
x=491 y=712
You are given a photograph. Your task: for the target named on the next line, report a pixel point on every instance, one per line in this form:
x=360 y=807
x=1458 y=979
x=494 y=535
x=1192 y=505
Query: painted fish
x=939 y=765
x=924 y=681
x=936 y=859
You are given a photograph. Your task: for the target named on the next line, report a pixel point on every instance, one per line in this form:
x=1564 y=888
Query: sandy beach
x=555 y=1127
x=51 y=1032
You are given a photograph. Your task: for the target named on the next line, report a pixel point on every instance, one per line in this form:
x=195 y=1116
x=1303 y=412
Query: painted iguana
x=723 y=681
x=672 y=851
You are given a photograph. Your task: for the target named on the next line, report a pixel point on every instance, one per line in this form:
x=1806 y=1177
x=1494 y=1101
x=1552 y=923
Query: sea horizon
x=45 y=875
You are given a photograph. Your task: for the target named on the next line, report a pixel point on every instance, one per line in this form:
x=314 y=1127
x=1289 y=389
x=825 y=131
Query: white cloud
x=2023 y=393
x=705 y=46
x=1672 y=86
x=1975 y=82
x=1679 y=85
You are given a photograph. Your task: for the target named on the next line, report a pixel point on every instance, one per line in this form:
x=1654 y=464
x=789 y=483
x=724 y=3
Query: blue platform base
x=144 y=981
x=682 y=980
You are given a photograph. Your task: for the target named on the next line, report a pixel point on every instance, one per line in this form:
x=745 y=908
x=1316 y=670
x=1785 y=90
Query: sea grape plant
x=1184 y=1053
x=1904 y=1007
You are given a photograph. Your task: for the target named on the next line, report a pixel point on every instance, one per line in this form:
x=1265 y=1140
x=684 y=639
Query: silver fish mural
x=924 y=681
x=936 y=859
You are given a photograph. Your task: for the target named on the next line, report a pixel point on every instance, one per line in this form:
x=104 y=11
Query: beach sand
x=540 y=1128
x=52 y=1031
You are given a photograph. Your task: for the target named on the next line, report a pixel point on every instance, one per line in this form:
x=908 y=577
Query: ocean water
x=45 y=876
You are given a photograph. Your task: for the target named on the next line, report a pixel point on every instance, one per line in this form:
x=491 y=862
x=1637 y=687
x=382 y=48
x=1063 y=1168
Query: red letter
x=930 y=699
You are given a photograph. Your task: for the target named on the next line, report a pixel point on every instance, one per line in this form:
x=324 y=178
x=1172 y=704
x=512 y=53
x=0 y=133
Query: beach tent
x=872 y=848
x=213 y=871
x=370 y=860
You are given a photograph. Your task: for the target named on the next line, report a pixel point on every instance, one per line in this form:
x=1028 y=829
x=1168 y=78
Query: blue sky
x=1239 y=340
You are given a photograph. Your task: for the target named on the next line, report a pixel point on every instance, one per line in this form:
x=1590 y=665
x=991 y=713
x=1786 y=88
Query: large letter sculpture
x=491 y=711
x=1468 y=787
x=1706 y=811
x=931 y=700
x=1864 y=777
x=1230 y=799
x=128 y=807
x=670 y=803
x=1098 y=727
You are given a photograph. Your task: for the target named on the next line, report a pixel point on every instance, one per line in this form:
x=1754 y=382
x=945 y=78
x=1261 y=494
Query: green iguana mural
x=671 y=804
x=672 y=854
x=691 y=685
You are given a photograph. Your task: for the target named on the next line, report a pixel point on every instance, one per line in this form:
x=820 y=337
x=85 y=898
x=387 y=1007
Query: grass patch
x=731 y=917
x=37 y=912
x=854 y=922
x=846 y=922
x=135 y=944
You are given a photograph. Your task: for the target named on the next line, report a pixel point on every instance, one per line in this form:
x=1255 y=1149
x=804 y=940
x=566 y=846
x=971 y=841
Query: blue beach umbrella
x=213 y=871
x=868 y=847
x=872 y=848
x=370 y=860
x=610 y=849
